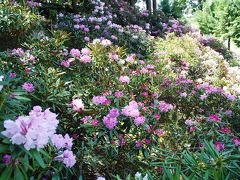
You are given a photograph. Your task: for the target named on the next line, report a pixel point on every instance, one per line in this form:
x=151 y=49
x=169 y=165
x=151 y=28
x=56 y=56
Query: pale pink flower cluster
x=77 y=105
x=32 y=131
x=106 y=42
x=131 y=58
x=110 y=121
x=75 y=53
x=124 y=79
x=165 y=107
x=62 y=142
x=67 y=157
x=28 y=87
x=119 y=94
x=131 y=110
x=99 y=100
x=65 y=63
x=83 y=56
x=85 y=59
x=35 y=130
x=139 y=120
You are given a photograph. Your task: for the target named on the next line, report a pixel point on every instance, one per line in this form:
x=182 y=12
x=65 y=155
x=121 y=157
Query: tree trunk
x=149 y=5
x=74 y=6
x=154 y=6
x=229 y=43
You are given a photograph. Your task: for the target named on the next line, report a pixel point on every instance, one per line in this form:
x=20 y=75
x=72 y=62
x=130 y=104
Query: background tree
x=220 y=18
x=173 y=8
x=149 y=5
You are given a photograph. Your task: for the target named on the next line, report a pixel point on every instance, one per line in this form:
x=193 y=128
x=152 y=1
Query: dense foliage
x=98 y=97
x=221 y=18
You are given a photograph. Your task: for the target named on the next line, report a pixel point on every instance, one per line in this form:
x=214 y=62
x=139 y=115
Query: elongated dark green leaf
x=6 y=173
x=18 y=174
x=3 y=148
x=39 y=159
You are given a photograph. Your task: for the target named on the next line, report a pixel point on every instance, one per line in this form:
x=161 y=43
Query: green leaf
x=18 y=174
x=3 y=148
x=22 y=98
x=39 y=159
x=6 y=173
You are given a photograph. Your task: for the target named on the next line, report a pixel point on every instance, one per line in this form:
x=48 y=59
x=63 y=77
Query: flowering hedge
x=100 y=110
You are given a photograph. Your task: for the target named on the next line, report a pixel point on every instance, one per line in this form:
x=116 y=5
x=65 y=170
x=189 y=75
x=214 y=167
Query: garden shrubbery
x=122 y=107
x=15 y=22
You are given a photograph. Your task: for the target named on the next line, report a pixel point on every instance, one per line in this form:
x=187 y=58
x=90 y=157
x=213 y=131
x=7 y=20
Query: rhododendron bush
x=99 y=110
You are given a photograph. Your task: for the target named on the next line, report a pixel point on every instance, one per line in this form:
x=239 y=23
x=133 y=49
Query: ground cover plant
x=93 y=95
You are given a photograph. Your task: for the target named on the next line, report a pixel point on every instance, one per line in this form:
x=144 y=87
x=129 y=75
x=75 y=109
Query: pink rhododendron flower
x=124 y=79
x=85 y=59
x=225 y=130
x=99 y=100
x=87 y=39
x=32 y=131
x=113 y=56
x=27 y=70
x=86 y=119
x=118 y=94
x=77 y=105
x=228 y=112
x=95 y=122
x=236 y=141
x=86 y=29
x=58 y=141
x=131 y=110
x=139 y=144
x=67 y=157
x=97 y=27
x=62 y=142
x=131 y=58
x=214 y=118
x=189 y=122
x=165 y=107
x=219 y=146
x=157 y=116
x=191 y=129
x=12 y=75
x=160 y=132
x=32 y=58
x=147 y=141
x=139 y=120
x=75 y=53
x=114 y=113
x=203 y=96
x=184 y=94
x=28 y=87
x=106 y=42
x=65 y=63
x=85 y=51
x=230 y=96
x=109 y=122
x=107 y=102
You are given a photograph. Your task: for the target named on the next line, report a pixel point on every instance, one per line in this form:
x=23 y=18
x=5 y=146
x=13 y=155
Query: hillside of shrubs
x=114 y=92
